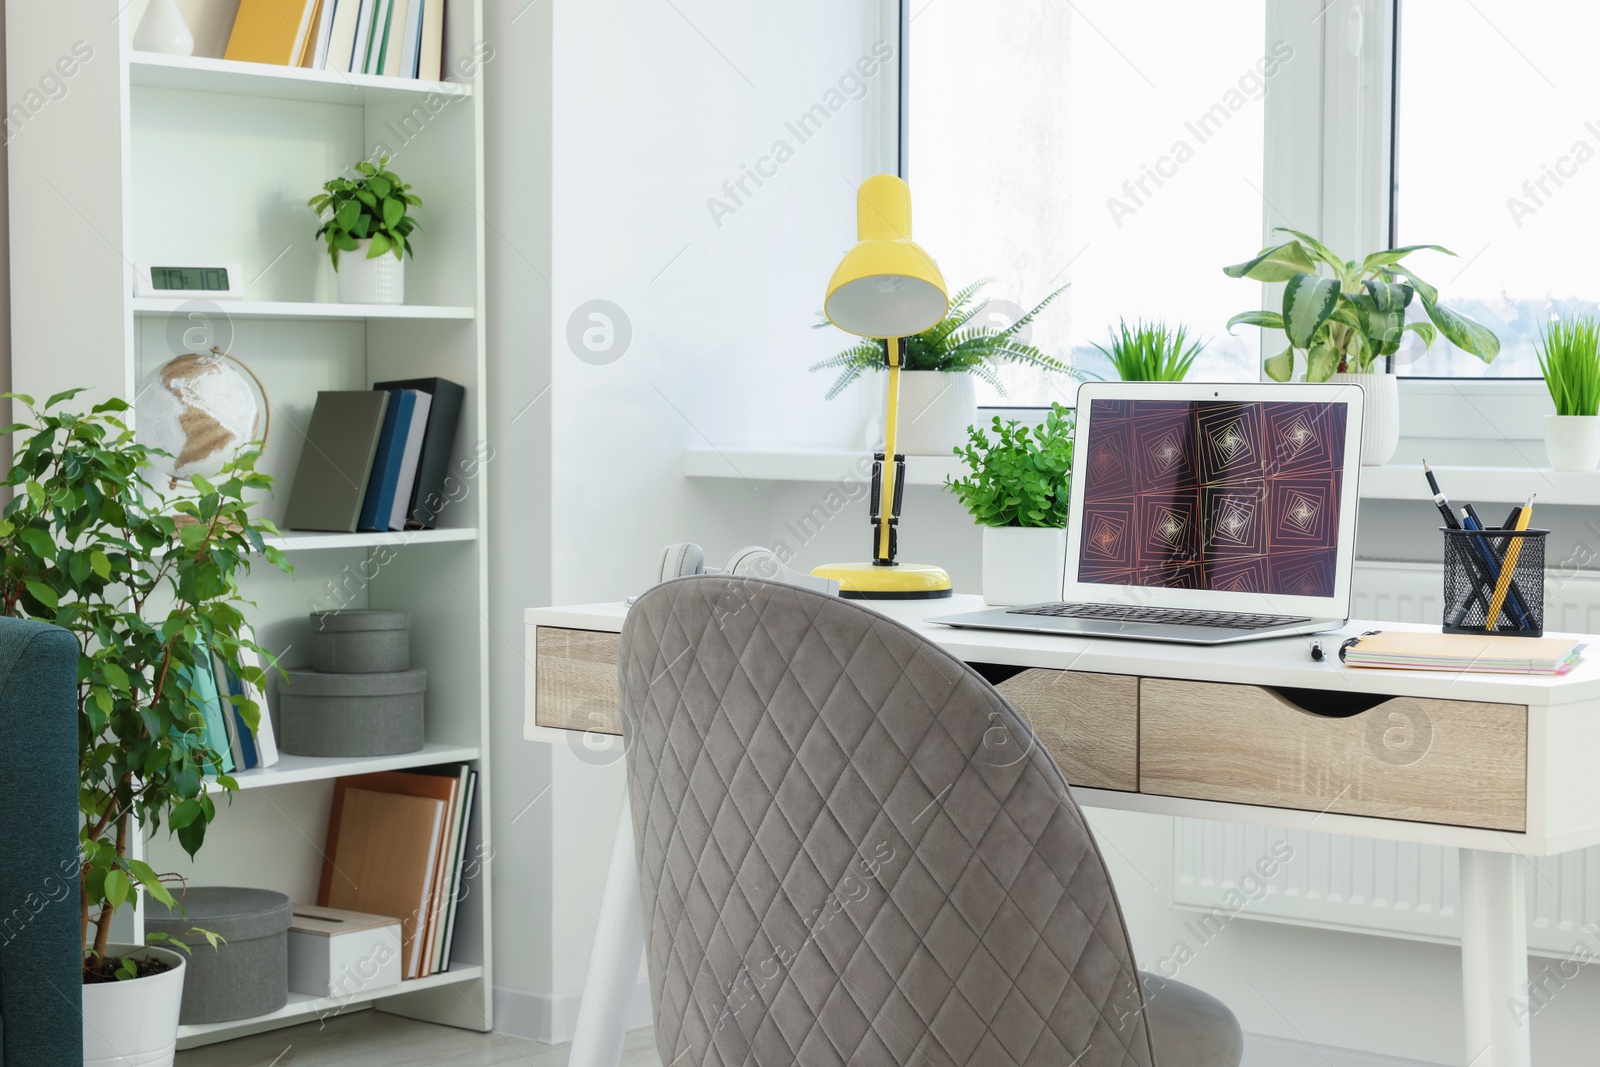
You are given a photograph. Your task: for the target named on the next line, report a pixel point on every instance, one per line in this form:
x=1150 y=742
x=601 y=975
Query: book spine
x=385 y=464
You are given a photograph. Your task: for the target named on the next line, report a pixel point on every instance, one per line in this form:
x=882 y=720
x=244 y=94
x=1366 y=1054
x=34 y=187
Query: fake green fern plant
x=952 y=345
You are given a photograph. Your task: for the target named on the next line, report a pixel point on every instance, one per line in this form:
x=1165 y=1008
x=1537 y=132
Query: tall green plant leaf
x=1390 y=256
x=1276 y=263
x=1308 y=300
x=1465 y=334
x=1280 y=368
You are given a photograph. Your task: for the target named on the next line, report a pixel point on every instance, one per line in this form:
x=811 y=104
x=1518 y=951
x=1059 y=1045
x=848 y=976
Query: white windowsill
x=1399 y=481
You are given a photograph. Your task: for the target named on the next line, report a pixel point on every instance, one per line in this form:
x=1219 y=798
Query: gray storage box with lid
x=248 y=974
x=360 y=641
x=351 y=714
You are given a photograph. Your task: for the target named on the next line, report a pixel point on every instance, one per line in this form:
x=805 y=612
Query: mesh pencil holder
x=1474 y=561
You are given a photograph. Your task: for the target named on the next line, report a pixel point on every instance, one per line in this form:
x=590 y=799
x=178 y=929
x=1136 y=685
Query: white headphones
x=753 y=561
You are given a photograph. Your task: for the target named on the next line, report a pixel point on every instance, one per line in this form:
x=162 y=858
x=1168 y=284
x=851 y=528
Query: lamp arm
x=890 y=476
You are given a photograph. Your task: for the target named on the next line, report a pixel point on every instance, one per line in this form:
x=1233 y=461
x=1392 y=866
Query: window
x=1497 y=156
x=1114 y=146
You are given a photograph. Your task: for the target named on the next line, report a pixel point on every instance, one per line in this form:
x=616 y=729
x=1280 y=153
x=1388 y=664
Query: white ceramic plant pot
x=1380 y=416
x=935 y=410
x=1023 y=564
x=134 y=1023
x=1573 y=441
x=163 y=30
x=371 y=281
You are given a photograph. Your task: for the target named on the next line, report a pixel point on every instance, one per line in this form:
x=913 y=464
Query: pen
x=1507 y=569
x=1439 y=500
x=1489 y=564
x=1511 y=519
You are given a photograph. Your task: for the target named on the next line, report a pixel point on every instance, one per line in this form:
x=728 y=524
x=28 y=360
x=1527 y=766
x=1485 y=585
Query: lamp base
x=903 y=581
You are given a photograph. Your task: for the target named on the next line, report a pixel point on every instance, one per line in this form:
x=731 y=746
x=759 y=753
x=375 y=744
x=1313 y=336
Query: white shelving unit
x=153 y=158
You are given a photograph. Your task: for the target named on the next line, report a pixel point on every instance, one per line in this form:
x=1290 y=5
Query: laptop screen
x=1212 y=495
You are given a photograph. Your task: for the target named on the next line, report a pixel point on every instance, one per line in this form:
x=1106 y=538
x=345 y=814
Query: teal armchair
x=41 y=947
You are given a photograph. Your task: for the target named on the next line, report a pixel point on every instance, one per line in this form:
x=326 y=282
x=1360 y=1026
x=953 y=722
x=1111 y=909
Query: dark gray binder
x=336 y=461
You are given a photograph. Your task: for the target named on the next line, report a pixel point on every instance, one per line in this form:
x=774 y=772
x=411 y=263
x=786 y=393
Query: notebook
x=386 y=462
x=270 y=31
x=330 y=482
x=1486 y=654
x=447 y=790
x=382 y=855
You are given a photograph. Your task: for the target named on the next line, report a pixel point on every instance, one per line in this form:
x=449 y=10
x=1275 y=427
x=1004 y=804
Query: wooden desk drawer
x=1442 y=761
x=575 y=680
x=1088 y=722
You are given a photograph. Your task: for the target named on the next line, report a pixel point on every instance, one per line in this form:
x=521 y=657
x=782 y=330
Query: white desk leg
x=614 y=960
x=1494 y=958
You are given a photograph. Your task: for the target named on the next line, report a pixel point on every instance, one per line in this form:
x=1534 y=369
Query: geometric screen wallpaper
x=1214 y=495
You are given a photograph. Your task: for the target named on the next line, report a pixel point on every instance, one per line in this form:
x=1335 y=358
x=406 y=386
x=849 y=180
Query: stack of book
x=221 y=692
x=376 y=459
x=397 y=38
x=397 y=845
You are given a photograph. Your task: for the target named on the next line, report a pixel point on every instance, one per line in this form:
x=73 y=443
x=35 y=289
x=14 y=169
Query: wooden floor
x=376 y=1039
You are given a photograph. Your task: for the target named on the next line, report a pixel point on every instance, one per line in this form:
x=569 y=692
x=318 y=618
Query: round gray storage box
x=247 y=975
x=351 y=714
x=360 y=641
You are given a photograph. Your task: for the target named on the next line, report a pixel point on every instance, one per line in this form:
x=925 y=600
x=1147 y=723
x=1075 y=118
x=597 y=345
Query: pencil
x=1509 y=567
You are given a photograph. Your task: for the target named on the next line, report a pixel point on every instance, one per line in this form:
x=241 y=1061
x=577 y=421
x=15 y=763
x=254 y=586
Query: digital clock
x=215 y=281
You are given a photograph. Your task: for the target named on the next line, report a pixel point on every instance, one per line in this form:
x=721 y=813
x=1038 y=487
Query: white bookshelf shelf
x=282 y=309
x=292 y=770
x=200 y=75
x=303 y=1008
x=317 y=542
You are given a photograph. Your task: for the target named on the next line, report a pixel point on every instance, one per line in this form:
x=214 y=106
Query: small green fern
x=951 y=345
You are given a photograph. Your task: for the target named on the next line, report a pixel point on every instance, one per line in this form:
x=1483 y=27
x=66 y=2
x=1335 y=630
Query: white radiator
x=1386 y=887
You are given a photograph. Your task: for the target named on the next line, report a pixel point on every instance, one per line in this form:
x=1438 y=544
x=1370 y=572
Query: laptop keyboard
x=1229 y=620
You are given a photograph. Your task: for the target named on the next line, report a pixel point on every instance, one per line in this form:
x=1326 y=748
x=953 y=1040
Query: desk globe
x=202 y=410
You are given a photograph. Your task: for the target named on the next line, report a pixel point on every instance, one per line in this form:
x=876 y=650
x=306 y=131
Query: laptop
x=1204 y=514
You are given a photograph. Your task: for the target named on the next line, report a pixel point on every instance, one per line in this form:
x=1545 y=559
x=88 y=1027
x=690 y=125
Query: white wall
x=637 y=113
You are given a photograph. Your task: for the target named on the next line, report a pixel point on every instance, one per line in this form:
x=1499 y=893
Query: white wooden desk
x=1499 y=766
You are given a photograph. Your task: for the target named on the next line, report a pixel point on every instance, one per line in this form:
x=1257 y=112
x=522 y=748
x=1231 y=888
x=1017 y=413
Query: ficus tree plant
x=1344 y=315
x=376 y=205
x=953 y=344
x=1018 y=475
x=149 y=585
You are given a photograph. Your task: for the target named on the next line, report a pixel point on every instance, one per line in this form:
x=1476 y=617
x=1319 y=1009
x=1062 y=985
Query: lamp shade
x=886 y=286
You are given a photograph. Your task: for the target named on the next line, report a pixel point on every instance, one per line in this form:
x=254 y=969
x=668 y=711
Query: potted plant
x=370 y=216
x=937 y=398
x=150 y=594
x=1151 y=352
x=1569 y=358
x=1344 y=318
x=1019 y=488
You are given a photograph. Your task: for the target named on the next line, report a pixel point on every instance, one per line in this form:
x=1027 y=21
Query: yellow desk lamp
x=887 y=287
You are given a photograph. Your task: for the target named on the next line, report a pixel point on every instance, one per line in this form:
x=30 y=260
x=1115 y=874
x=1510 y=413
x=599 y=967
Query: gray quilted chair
x=851 y=850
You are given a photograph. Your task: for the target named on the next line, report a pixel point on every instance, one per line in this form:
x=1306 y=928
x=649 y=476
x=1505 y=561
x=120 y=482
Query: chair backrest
x=852 y=850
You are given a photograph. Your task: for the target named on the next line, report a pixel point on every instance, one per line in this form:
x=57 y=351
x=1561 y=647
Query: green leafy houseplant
x=1569 y=359
x=150 y=588
x=1342 y=316
x=376 y=205
x=951 y=345
x=1151 y=352
x=1018 y=475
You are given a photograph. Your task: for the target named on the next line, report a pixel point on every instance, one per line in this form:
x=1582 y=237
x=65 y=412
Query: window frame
x=1335 y=176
